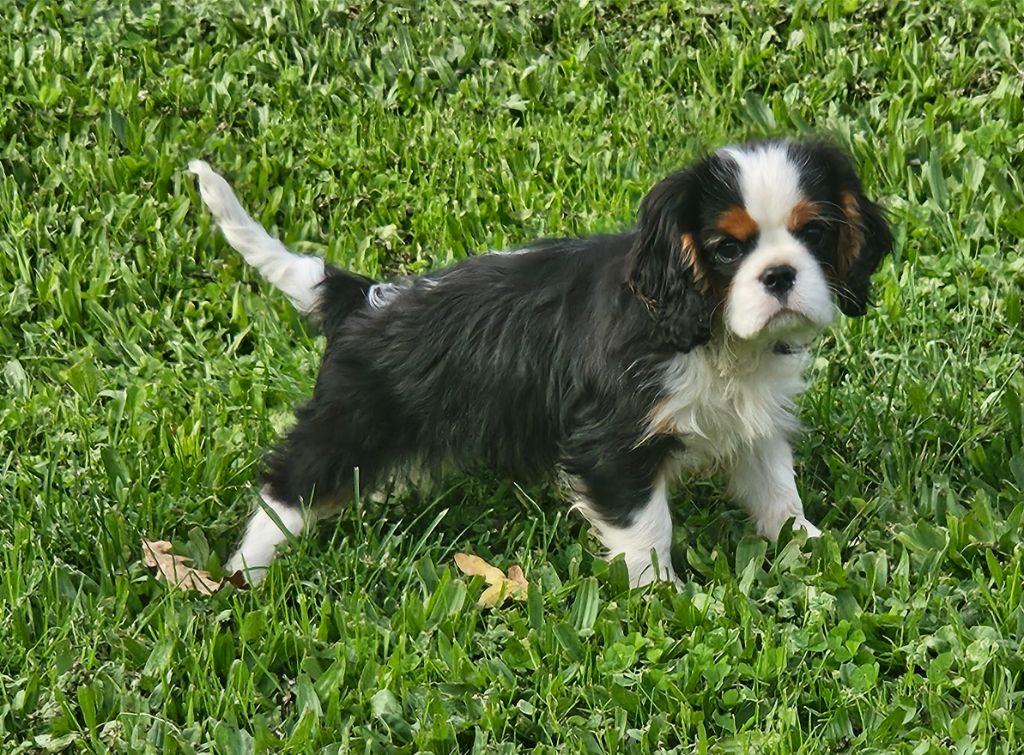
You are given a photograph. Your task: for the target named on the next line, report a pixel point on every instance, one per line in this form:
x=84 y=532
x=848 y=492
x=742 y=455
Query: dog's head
x=767 y=239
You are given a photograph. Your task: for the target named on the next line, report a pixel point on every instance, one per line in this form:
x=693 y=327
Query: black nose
x=778 y=280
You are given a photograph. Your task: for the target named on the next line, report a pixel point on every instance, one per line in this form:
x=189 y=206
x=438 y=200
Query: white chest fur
x=721 y=400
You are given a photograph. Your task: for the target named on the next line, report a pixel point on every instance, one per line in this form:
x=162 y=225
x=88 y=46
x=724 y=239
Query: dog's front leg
x=763 y=481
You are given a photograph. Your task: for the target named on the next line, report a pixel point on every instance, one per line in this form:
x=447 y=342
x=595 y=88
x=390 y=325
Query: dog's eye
x=814 y=232
x=728 y=250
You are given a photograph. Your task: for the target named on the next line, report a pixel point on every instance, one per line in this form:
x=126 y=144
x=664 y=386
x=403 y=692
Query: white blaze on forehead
x=769 y=182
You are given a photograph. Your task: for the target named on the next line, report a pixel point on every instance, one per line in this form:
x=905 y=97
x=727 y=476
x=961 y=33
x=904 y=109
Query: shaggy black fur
x=516 y=362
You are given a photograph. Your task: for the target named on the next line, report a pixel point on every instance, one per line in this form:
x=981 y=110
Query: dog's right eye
x=728 y=250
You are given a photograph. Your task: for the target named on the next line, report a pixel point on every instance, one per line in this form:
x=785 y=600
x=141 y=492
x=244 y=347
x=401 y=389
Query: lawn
x=143 y=368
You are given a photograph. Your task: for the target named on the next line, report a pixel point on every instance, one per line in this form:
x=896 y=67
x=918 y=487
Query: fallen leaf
x=474 y=565
x=501 y=585
x=495 y=594
x=515 y=573
x=178 y=571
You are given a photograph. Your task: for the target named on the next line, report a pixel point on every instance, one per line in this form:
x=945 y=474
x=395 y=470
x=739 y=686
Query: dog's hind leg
x=310 y=475
x=324 y=475
x=273 y=522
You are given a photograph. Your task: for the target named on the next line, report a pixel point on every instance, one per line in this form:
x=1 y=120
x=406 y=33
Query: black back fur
x=516 y=362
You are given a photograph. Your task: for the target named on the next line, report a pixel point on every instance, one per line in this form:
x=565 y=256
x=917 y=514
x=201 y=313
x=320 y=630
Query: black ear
x=864 y=237
x=663 y=268
x=863 y=243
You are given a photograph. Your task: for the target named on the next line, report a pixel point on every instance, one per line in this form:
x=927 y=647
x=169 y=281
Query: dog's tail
x=313 y=286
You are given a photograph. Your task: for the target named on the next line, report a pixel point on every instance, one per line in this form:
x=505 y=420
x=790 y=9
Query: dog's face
x=765 y=240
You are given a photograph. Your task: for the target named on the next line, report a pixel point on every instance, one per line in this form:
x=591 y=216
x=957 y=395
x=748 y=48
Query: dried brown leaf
x=494 y=595
x=501 y=586
x=515 y=573
x=178 y=571
x=474 y=565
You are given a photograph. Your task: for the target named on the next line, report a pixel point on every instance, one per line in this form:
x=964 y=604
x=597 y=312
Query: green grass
x=143 y=369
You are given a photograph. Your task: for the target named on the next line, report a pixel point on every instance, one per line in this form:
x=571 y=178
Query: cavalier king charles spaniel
x=616 y=361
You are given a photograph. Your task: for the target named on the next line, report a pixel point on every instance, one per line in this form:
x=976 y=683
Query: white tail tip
x=297 y=275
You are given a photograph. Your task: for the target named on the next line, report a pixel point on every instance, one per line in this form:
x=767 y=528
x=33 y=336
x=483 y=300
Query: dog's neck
x=734 y=357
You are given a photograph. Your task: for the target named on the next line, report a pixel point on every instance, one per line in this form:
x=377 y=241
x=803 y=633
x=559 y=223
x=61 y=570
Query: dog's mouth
x=787 y=317
x=791 y=323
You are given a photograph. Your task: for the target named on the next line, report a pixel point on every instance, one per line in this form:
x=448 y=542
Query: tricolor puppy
x=616 y=361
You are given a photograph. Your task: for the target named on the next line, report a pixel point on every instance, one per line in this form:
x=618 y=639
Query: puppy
x=618 y=361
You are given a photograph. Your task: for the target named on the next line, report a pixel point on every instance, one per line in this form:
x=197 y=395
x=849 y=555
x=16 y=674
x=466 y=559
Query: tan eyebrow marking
x=737 y=223
x=803 y=212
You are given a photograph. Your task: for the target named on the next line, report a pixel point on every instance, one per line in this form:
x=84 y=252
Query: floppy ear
x=663 y=268
x=864 y=240
x=864 y=236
